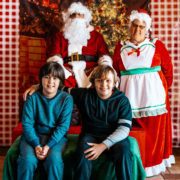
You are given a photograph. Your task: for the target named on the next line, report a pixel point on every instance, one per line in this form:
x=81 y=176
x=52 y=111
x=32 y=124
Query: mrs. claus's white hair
x=141 y=15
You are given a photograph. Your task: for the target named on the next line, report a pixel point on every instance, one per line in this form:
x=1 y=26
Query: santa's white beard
x=77 y=33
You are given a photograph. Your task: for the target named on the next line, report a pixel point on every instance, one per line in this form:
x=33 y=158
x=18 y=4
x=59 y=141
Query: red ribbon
x=134 y=51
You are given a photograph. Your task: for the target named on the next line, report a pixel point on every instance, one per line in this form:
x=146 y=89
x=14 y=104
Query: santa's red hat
x=141 y=15
x=78 y=7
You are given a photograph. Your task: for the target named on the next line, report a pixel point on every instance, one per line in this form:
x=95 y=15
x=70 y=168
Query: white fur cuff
x=55 y=58
x=59 y=60
x=78 y=65
x=105 y=60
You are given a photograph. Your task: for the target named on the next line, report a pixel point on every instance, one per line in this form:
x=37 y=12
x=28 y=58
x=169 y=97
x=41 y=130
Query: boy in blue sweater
x=46 y=119
x=106 y=123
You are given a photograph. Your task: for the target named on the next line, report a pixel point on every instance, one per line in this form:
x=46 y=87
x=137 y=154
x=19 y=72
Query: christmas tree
x=109 y=18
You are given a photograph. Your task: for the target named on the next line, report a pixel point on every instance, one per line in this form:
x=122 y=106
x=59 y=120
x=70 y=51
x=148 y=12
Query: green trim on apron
x=140 y=71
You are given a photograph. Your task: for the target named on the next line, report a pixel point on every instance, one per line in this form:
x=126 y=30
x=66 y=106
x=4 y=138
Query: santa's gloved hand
x=55 y=58
x=105 y=60
x=77 y=65
x=59 y=60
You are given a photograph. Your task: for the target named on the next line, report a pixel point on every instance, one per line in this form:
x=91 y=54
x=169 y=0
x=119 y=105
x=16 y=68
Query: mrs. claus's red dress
x=146 y=74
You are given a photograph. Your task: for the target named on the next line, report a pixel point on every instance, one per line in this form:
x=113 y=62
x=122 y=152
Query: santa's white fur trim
x=80 y=76
x=105 y=60
x=78 y=64
x=58 y=59
x=142 y=17
x=78 y=7
x=90 y=28
x=55 y=58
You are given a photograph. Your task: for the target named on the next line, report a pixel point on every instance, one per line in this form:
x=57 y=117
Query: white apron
x=140 y=82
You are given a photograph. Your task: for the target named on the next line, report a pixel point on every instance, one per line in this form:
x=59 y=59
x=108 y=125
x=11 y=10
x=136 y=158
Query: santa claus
x=79 y=47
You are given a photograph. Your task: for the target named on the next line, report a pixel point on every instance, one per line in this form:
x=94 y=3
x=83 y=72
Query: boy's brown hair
x=54 y=69
x=101 y=70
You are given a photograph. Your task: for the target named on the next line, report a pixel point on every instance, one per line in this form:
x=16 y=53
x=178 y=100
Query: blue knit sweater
x=44 y=116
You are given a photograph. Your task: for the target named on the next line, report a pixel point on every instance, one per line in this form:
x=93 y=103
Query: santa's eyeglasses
x=76 y=15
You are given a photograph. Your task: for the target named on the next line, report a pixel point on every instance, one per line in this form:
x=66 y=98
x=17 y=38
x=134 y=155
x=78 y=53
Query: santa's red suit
x=96 y=48
x=146 y=74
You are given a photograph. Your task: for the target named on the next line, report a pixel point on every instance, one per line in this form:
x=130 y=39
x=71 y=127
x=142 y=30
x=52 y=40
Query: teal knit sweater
x=44 y=116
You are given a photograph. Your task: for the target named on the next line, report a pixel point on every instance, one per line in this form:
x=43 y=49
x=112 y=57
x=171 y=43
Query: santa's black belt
x=80 y=57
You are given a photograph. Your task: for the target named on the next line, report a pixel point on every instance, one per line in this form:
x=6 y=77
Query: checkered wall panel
x=166 y=26
x=9 y=53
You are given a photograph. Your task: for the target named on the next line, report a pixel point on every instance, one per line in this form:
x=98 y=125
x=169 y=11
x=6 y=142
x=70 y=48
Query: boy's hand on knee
x=39 y=155
x=94 y=151
x=38 y=149
x=45 y=150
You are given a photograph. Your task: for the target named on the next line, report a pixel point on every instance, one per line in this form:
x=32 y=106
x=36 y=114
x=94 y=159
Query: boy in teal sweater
x=46 y=119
